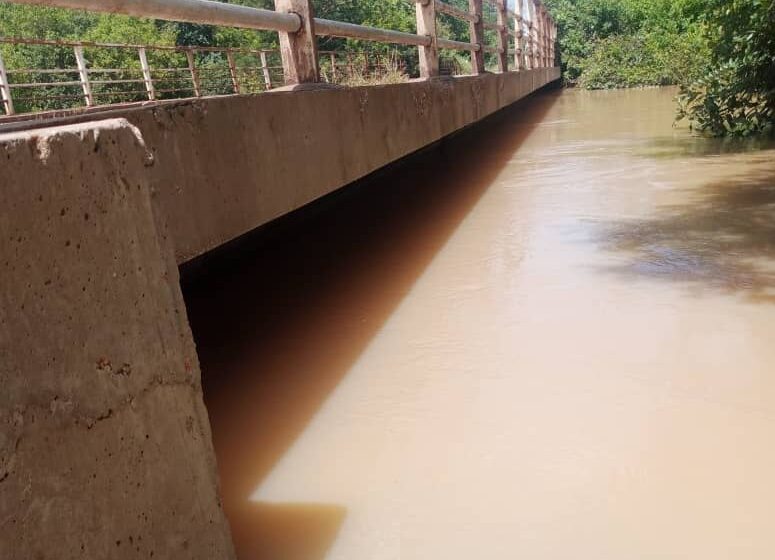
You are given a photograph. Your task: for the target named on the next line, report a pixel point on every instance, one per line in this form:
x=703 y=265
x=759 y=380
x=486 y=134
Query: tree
x=737 y=95
x=626 y=43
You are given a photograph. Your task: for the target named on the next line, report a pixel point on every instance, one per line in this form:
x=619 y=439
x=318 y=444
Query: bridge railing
x=137 y=72
x=534 y=34
x=93 y=73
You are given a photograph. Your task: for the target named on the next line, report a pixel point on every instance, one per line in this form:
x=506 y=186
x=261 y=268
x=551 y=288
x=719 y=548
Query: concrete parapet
x=227 y=165
x=105 y=448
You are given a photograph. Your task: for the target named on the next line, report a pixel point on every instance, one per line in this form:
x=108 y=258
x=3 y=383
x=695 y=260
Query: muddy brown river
x=551 y=337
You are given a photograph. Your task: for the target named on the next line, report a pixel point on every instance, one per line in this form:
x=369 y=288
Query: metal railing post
x=5 y=89
x=503 y=37
x=477 y=36
x=265 y=70
x=149 y=89
x=528 y=47
x=83 y=74
x=233 y=72
x=299 y=50
x=333 y=66
x=426 y=25
x=194 y=72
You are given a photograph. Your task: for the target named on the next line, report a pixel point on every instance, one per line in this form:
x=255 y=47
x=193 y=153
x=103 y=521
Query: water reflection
x=722 y=236
x=690 y=146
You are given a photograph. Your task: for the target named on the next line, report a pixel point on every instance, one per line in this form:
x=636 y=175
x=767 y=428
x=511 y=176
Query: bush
x=646 y=59
x=626 y=43
x=736 y=96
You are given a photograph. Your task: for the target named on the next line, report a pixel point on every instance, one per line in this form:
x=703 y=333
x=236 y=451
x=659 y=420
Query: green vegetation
x=736 y=96
x=52 y=24
x=627 y=43
x=721 y=53
x=372 y=61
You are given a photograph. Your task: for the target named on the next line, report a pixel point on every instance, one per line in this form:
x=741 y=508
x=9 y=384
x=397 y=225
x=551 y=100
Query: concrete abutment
x=105 y=448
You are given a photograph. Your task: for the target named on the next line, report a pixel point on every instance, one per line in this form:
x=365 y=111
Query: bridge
x=105 y=450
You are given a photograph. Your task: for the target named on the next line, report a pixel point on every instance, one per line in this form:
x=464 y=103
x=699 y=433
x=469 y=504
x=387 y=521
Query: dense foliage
x=737 y=95
x=373 y=60
x=722 y=53
x=51 y=23
x=625 y=43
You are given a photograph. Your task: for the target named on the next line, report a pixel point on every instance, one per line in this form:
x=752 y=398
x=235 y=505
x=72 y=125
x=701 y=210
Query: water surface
x=551 y=338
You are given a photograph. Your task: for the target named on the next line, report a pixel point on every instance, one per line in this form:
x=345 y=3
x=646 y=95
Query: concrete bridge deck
x=105 y=446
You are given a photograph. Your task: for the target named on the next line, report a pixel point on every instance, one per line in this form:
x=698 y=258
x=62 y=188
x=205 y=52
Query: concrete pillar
x=426 y=25
x=539 y=36
x=545 y=35
x=477 y=36
x=519 y=46
x=299 y=50
x=533 y=46
x=503 y=36
x=105 y=447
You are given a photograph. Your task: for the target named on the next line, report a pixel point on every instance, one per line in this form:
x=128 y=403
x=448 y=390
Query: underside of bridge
x=105 y=450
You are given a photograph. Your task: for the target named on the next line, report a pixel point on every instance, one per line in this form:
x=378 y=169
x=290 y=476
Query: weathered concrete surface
x=228 y=165
x=105 y=448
